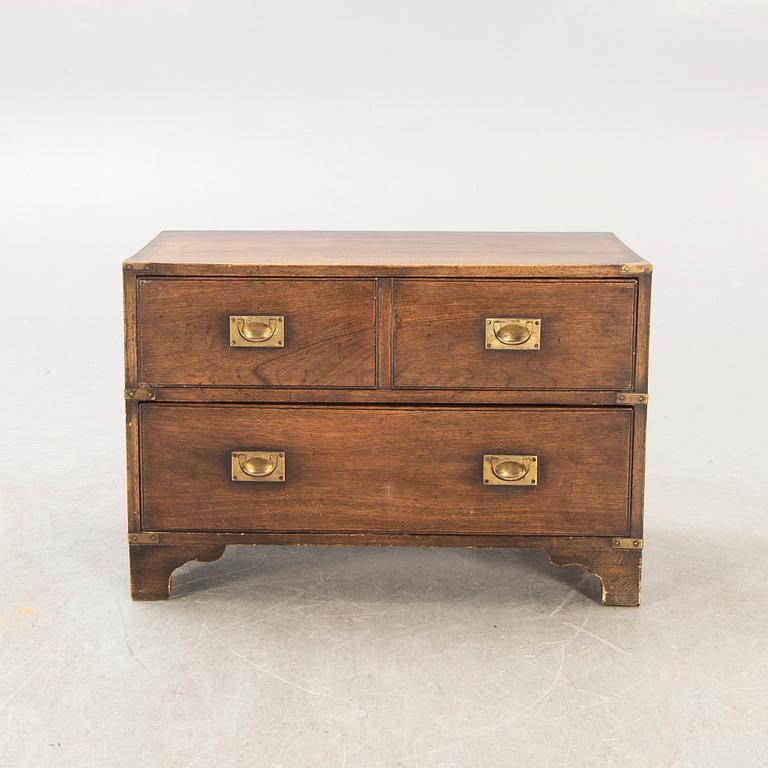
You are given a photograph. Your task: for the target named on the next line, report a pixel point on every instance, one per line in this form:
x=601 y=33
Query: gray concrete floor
x=364 y=658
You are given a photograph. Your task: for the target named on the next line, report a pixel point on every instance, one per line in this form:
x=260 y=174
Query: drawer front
x=383 y=469
x=576 y=334
x=327 y=331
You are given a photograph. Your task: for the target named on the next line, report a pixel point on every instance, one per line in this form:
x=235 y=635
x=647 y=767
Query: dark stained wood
x=385 y=469
x=133 y=484
x=129 y=319
x=643 y=325
x=617 y=570
x=152 y=566
x=383 y=396
x=587 y=334
x=385 y=420
x=386 y=254
x=368 y=539
x=384 y=333
x=329 y=332
x=637 y=501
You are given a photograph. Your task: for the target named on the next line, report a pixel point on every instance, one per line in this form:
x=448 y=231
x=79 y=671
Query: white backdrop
x=646 y=118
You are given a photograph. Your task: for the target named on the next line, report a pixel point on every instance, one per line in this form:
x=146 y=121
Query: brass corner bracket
x=639 y=268
x=139 y=393
x=622 y=543
x=632 y=398
x=138 y=266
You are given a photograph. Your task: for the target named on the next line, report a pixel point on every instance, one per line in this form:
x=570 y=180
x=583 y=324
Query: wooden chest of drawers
x=438 y=389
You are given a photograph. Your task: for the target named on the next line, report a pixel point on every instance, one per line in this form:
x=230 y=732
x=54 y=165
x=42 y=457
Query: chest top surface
x=464 y=254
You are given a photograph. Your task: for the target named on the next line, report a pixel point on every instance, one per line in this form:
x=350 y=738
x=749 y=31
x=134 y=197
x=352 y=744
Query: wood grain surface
x=384 y=254
x=385 y=469
x=587 y=334
x=384 y=397
x=184 y=332
x=151 y=567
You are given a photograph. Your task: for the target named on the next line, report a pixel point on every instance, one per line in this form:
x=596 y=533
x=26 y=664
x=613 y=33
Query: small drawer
x=256 y=332
x=514 y=334
x=544 y=471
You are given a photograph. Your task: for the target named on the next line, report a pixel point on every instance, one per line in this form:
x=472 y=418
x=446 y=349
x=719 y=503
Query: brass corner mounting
x=138 y=266
x=632 y=398
x=624 y=543
x=638 y=268
x=139 y=393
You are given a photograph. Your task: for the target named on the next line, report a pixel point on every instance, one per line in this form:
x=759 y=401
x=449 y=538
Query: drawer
x=380 y=469
x=585 y=334
x=327 y=330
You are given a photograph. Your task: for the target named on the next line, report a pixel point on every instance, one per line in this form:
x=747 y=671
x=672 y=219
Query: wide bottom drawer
x=419 y=470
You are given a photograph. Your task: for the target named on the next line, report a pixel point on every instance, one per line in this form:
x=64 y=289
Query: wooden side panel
x=639 y=413
x=129 y=319
x=184 y=332
x=587 y=334
x=133 y=478
x=386 y=469
x=643 y=331
x=133 y=487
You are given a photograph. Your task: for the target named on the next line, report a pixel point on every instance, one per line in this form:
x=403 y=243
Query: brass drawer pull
x=512 y=333
x=258 y=466
x=256 y=330
x=510 y=470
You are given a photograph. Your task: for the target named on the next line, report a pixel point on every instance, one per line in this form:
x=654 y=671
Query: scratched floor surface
x=365 y=658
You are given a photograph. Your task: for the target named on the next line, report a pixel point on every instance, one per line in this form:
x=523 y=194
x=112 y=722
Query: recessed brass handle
x=256 y=330
x=510 y=470
x=507 y=469
x=258 y=466
x=512 y=333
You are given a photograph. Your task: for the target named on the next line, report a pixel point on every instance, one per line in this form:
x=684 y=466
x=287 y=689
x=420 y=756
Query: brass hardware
x=503 y=469
x=143 y=538
x=635 y=269
x=256 y=330
x=632 y=398
x=258 y=466
x=620 y=543
x=512 y=333
x=138 y=265
x=139 y=393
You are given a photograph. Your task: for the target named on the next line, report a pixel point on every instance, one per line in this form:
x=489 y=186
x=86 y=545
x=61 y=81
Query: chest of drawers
x=351 y=388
